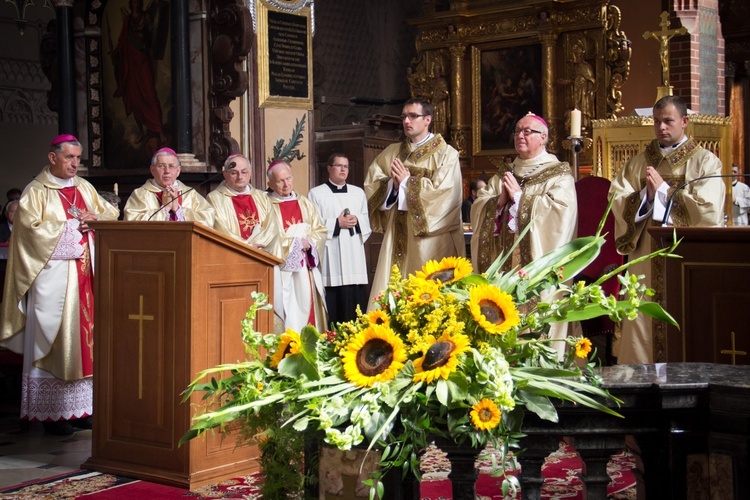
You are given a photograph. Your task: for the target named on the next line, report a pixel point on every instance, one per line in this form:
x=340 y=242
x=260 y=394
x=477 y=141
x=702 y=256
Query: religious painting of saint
x=136 y=81
x=507 y=85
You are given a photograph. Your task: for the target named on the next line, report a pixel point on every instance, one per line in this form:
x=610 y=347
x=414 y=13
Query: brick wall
x=697 y=59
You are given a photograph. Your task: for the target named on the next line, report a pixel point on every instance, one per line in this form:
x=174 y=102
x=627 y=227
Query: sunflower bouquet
x=446 y=353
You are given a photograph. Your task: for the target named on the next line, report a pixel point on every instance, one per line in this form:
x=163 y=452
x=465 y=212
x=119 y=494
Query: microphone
x=213 y=177
x=346 y=211
x=682 y=186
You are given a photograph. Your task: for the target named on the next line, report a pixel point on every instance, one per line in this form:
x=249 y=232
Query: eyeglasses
x=411 y=116
x=341 y=166
x=526 y=132
x=165 y=166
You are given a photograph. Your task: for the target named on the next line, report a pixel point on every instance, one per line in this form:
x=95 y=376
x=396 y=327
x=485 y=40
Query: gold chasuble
x=428 y=226
x=548 y=198
x=243 y=216
x=698 y=205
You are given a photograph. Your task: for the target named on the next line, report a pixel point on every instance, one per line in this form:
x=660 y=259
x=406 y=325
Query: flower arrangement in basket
x=447 y=353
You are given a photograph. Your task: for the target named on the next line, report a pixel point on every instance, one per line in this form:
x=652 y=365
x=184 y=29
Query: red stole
x=247 y=213
x=291 y=213
x=70 y=196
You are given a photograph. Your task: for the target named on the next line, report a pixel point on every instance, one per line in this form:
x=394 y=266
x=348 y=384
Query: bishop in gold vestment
x=47 y=311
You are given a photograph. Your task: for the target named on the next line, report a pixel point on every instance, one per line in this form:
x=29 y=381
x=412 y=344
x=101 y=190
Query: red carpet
x=560 y=474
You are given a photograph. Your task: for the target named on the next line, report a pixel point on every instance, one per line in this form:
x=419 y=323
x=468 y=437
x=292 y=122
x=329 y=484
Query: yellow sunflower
x=493 y=309
x=485 y=415
x=583 y=347
x=375 y=354
x=289 y=343
x=446 y=271
x=441 y=358
x=425 y=292
x=379 y=317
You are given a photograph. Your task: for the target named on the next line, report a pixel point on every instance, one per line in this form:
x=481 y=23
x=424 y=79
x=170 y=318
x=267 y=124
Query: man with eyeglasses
x=536 y=185
x=414 y=194
x=343 y=209
x=640 y=191
x=241 y=210
x=48 y=309
x=162 y=198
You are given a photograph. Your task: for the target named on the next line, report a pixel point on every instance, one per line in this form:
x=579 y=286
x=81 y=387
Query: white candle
x=575 y=123
x=116 y=193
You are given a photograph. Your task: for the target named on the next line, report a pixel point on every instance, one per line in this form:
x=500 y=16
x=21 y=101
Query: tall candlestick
x=116 y=193
x=575 y=123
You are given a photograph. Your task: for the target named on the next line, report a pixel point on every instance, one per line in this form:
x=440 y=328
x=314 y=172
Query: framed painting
x=507 y=84
x=136 y=76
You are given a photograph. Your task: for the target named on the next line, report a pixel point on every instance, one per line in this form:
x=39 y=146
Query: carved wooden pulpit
x=169 y=298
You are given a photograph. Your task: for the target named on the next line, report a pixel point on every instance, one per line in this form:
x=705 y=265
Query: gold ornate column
x=459 y=129
x=548 y=69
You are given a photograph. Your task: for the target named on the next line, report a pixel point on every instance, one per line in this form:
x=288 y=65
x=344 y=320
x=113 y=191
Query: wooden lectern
x=169 y=300
x=706 y=291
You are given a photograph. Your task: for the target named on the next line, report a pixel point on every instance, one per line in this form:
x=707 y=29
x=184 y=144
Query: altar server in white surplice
x=299 y=294
x=343 y=209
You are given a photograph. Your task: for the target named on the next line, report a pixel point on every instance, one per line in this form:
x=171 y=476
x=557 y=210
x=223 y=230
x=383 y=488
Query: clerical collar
x=414 y=146
x=734 y=183
x=274 y=194
x=62 y=182
x=669 y=149
x=235 y=192
x=174 y=184
x=335 y=187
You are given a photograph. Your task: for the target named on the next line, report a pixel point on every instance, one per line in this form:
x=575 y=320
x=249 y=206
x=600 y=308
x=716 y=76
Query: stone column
x=549 y=41
x=181 y=89
x=66 y=71
x=458 y=127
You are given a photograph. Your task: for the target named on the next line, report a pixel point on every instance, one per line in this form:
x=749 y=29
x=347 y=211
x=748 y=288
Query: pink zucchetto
x=276 y=162
x=63 y=138
x=164 y=151
x=532 y=115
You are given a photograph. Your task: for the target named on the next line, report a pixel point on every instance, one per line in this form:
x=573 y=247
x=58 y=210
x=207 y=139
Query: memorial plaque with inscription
x=288 y=72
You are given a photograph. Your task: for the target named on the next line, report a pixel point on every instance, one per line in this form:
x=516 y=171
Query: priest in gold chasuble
x=48 y=309
x=242 y=212
x=299 y=294
x=641 y=190
x=414 y=195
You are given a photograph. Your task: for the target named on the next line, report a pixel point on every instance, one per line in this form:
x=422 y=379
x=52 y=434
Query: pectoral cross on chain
x=140 y=317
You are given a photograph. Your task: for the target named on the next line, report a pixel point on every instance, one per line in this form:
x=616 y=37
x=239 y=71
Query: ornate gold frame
x=265 y=99
x=478 y=105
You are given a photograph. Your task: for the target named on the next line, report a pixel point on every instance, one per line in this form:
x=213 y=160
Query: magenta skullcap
x=277 y=162
x=163 y=151
x=532 y=115
x=63 y=138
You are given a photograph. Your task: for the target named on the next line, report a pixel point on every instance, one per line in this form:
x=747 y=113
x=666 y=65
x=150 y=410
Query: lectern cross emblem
x=140 y=317
x=733 y=351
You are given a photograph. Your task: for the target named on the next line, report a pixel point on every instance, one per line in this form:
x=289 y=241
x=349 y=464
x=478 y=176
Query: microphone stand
x=213 y=177
x=682 y=186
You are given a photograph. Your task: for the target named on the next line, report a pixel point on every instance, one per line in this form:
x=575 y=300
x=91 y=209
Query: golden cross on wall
x=664 y=36
x=140 y=317
x=733 y=351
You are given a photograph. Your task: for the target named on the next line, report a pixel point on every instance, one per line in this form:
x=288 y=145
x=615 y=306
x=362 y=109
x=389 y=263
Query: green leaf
x=442 y=392
x=655 y=310
x=296 y=365
x=458 y=386
x=541 y=405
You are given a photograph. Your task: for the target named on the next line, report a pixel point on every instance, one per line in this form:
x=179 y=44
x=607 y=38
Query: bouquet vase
x=463 y=475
